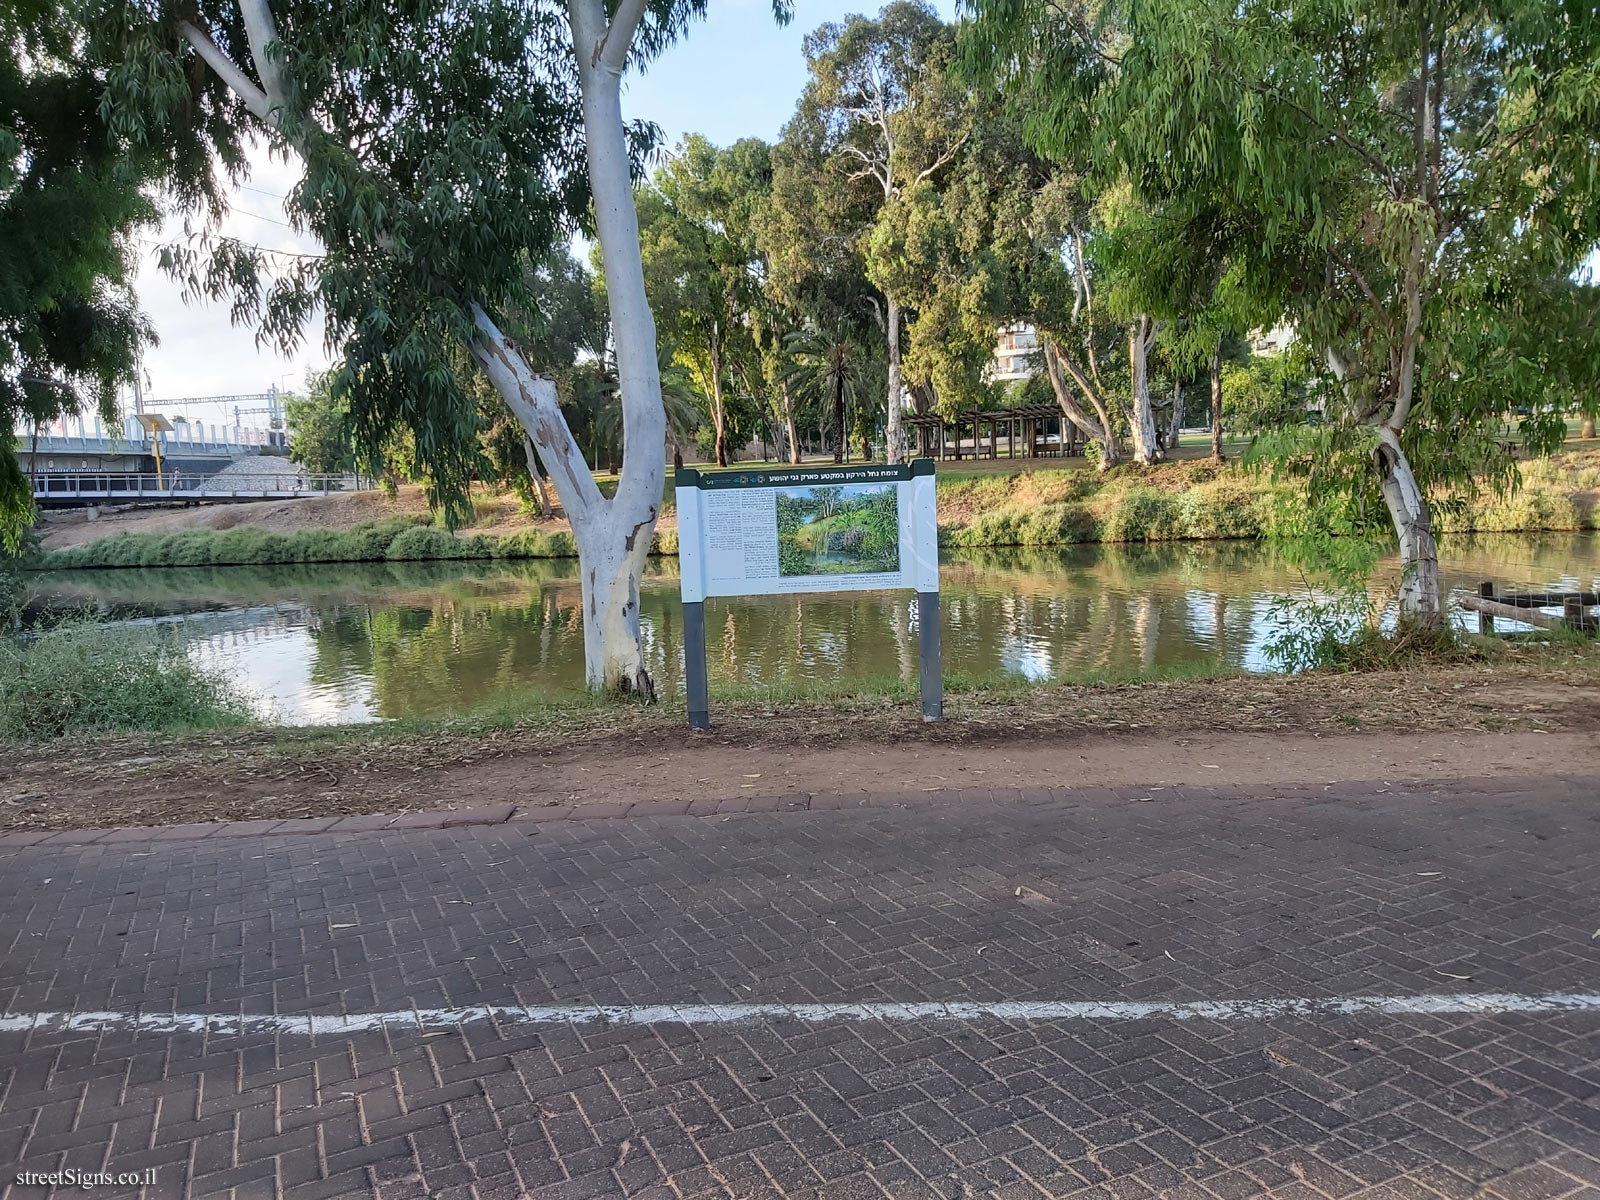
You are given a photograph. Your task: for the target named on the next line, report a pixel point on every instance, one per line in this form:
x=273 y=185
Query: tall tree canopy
x=880 y=116
x=1422 y=175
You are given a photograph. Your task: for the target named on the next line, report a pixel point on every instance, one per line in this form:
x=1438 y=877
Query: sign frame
x=729 y=545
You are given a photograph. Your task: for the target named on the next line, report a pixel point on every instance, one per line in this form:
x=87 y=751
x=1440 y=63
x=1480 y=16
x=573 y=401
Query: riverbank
x=1531 y=710
x=1035 y=506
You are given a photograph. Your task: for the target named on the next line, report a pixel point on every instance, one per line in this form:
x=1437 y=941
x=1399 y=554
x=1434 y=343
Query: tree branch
x=228 y=71
x=950 y=153
x=262 y=32
x=532 y=399
x=611 y=52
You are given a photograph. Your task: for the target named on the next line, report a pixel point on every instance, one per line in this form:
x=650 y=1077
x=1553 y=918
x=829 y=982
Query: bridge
x=71 y=488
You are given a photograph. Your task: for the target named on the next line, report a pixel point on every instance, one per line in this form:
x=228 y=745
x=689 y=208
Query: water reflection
x=359 y=642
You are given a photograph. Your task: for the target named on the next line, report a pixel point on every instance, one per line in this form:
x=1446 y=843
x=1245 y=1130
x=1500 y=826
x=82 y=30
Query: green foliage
x=703 y=273
x=13 y=572
x=424 y=542
x=1415 y=204
x=400 y=539
x=1335 y=621
x=83 y=677
x=441 y=155
x=1264 y=393
x=1143 y=514
x=1042 y=525
x=534 y=543
x=74 y=192
x=319 y=429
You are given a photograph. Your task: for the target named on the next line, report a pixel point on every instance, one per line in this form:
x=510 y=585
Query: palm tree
x=828 y=365
x=601 y=404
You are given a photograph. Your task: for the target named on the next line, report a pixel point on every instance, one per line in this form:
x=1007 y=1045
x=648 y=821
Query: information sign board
x=808 y=529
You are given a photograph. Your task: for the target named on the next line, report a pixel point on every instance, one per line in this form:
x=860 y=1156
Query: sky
x=737 y=74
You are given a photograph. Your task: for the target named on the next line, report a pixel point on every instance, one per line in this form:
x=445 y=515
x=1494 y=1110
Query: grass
x=582 y=716
x=83 y=677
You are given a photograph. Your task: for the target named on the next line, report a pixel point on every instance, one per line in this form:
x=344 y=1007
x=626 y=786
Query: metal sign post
x=763 y=533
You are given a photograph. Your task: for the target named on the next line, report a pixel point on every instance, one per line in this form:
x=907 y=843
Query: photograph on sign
x=848 y=530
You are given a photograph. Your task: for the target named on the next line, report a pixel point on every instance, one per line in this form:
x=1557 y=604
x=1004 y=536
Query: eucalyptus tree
x=445 y=144
x=1423 y=174
x=879 y=116
x=1005 y=239
x=559 y=322
x=702 y=266
x=809 y=232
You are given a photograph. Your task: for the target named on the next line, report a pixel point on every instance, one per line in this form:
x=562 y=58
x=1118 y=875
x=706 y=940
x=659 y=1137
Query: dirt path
x=1467 y=721
x=1095 y=761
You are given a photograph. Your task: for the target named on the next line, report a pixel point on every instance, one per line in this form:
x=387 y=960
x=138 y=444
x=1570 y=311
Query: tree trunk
x=894 y=450
x=613 y=542
x=790 y=426
x=866 y=448
x=537 y=476
x=1420 y=600
x=1175 y=425
x=1143 y=418
x=1588 y=428
x=1097 y=428
x=838 y=418
x=719 y=419
x=1216 y=402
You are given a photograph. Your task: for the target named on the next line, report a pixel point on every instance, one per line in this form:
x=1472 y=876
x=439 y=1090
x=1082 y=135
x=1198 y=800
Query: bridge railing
x=119 y=485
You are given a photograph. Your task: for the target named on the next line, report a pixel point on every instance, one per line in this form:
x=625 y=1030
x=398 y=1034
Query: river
x=340 y=643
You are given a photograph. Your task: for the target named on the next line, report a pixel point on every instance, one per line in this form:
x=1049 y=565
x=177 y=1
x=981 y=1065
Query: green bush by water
x=84 y=678
x=405 y=539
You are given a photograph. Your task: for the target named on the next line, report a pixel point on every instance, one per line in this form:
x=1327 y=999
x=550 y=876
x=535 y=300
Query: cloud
x=202 y=352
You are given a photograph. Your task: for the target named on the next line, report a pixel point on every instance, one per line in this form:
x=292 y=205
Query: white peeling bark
x=719 y=415
x=895 y=431
x=1216 y=402
x=612 y=548
x=1097 y=428
x=1420 y=600
x=1143 y=419
x=613 y=536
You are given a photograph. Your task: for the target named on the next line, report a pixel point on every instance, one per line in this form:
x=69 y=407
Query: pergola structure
x=1031 y=431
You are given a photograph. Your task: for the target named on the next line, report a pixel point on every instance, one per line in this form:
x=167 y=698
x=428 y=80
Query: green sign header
x=830 y=476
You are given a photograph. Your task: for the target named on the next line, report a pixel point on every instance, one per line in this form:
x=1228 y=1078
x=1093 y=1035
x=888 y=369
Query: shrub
x=84 y=677
x=1223 y=508
x=371 y=540
x=425 y=541
x=1142 y=514
x=1044 y=525
x=1530 y=508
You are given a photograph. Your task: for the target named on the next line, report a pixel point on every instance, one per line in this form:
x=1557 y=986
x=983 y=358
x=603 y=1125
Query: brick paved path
x=1183 y=896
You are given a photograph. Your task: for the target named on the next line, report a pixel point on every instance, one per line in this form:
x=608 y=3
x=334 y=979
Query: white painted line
x=504 y=1016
